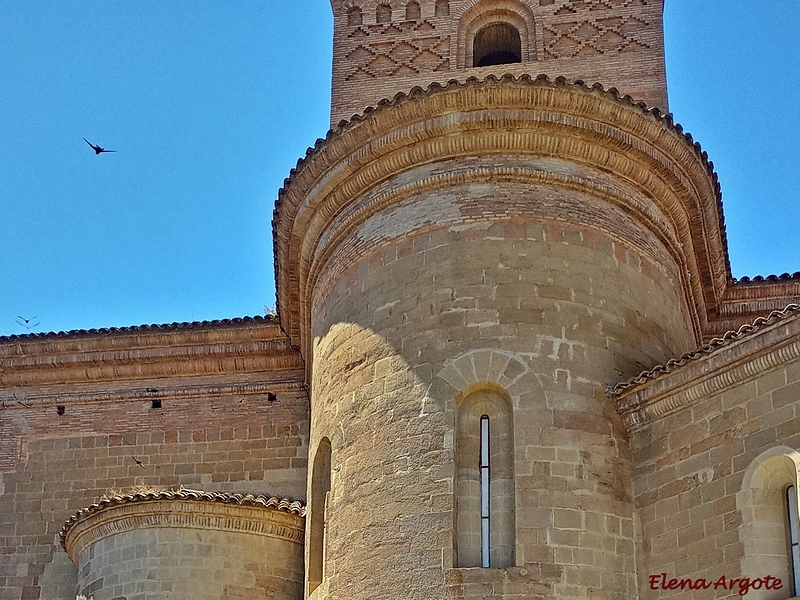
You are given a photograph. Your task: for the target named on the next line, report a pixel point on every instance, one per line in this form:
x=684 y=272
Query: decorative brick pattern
x=509 y=242
x=617 y=43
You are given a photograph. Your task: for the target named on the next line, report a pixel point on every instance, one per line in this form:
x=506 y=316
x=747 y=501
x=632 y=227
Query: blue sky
x=209 y=105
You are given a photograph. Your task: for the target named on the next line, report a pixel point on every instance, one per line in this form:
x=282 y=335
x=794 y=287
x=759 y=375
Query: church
x=509 y=359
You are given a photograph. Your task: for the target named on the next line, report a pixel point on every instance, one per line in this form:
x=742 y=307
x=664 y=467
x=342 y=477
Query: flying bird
x=138 y=462
x=97 y=149
x=26 y=323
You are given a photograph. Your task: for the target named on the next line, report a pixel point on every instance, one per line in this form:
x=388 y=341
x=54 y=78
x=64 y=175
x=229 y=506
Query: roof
x=772 y=278
x=792 y=310
x=541 y=80
x=286 y=505
x=350 y=156
x=139 y=329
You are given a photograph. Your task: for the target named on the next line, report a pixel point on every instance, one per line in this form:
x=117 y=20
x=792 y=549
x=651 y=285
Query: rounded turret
x=465 y=269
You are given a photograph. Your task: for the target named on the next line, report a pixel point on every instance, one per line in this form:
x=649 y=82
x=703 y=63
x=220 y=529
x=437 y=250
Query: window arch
x=769 y=516
x=485 y=503
x=496 y=44
x=354 y=16
x=413 y=11
x=383 y=14
x=492 y=33
x=319 y=501
x=442 y=8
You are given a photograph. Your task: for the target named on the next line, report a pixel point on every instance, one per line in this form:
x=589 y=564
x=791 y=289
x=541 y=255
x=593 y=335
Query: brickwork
x=614 y=42
x=210 y=433
x=543 y=254
x=696 y=478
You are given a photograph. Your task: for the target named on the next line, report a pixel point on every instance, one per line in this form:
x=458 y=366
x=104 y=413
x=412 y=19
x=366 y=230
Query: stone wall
x=548 y=312
x=64 y=446
x=188 y=546
x=716 y=441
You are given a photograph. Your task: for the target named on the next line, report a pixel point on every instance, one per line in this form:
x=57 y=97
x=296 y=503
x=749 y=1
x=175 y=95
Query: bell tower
x=382 y=47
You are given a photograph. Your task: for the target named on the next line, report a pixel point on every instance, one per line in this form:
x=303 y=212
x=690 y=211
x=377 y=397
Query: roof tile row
x=745 y=330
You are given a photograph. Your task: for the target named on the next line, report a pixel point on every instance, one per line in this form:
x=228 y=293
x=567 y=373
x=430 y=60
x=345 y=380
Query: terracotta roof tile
x=139 y=328
x=760 y=323
x=507 y=79
x=771 y=278
x=283 y=504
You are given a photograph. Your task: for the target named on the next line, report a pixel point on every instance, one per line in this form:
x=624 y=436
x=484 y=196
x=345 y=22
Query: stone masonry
x=509 y=359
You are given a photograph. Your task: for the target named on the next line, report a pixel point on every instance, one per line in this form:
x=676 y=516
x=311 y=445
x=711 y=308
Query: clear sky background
x=210 y=104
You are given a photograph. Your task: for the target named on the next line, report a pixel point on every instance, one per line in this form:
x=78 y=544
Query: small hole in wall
x=61 y=409
x=156 y=404
x=271 y=397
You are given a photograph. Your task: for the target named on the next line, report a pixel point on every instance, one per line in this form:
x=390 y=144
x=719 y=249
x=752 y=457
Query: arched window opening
x=413 y=11
x=496 y=44
x=768 y=504
x=484 y=480
x=354 y=16
x=793 y=517
x=442 y=8
x=320 y=496
x=383 y=14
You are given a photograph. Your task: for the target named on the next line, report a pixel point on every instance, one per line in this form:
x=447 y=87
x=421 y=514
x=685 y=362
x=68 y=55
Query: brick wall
x=617 y=43
x=737 y=411
x=211 y=433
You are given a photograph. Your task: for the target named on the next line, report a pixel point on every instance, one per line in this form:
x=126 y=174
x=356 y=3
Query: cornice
x=246 y=346
x=748 y=298
x=724 y=362
x=514 y=117
x=141 y=329
x=185 y=509
x=204 y=390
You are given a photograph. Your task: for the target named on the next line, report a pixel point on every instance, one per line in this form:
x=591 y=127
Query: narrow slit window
x=484 y=485
x=794 y=537
x=485 y=511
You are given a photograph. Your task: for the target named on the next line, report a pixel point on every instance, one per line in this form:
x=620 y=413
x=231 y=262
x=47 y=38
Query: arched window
x=442 y=8
x=320 y=497
x=413 y=11
x=793 y=527
x=491 y=32
x=768 y=503
x=484 y=479
x=383 y=14
x=496 y=44
x=354 y=16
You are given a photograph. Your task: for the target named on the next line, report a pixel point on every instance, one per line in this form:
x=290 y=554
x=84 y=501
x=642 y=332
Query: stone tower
x=465 y=269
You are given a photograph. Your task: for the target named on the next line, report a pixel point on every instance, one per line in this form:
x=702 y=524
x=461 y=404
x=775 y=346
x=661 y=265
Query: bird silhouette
x=26 y=323
x=138 y=462
x=97 y=149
